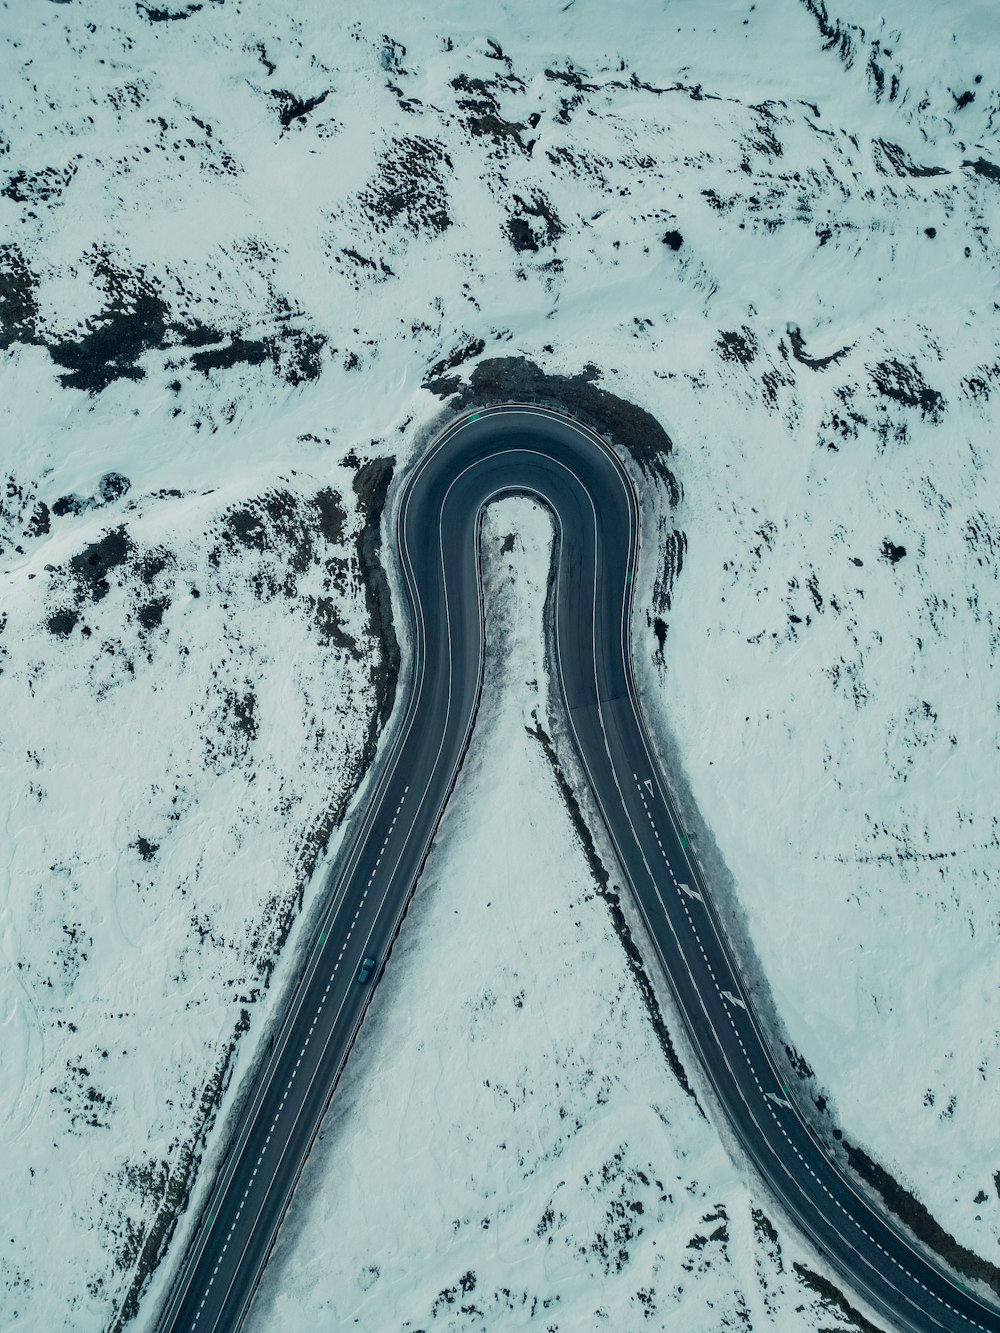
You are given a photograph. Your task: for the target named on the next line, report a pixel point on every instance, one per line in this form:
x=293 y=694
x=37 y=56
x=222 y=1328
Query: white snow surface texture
x=235 y=241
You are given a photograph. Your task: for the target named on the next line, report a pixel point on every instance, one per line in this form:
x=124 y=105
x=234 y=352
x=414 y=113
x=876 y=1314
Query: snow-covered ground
x=234 y=243
x=509 y=1147
x=185 y=710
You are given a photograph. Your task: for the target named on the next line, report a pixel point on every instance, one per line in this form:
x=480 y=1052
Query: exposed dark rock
x=18 y=299
x=813 y=362
x=445 y=386
x=799 y=1063
x=521 y=235
x=741 y=347
x=533 y=225
x=151 y=614
x=295 y=354
x=330 y=509
x=906 y=385
x=764 y=1226
x=62 y=622
x=495 y=127
x=848 y=40
x=764 y=140
x=892 y=552
x=38 y=523
x=274 y=522
x=983 y=168
x=672 y=544
x=903 y=165
x=156 y=14
x=331 y=627
x=38 y=187
x=516 y=379
x=152 y=563
x=379 y=269
x=409 y=188
x=113 y=486
x=300 y=355
x=392 y=55
x=246 y=351
x=980 y=384
x=196 y=334
x=133 y=321
x=673 y=240
x=466 y=352
x=95 y=562
x=269 y=65
x=371 y=486
x=241 y=709
x=572 y=78
x=291 y=108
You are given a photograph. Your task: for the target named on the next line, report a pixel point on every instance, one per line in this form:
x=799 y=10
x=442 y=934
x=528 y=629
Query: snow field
x=161 y=753
x=278 y=293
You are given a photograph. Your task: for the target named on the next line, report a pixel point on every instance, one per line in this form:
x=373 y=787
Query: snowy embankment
x=237 y=243
x=187 y=710
x=508 y=1146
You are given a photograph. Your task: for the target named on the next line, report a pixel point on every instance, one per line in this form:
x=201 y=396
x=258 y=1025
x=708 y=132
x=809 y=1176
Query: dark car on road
x=365 y=970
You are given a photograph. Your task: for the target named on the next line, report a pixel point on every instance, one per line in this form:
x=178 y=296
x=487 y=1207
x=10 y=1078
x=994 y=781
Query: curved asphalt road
x=478 y=459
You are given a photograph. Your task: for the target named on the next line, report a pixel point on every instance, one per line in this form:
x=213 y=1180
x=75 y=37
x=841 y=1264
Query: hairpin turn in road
x=481 y=457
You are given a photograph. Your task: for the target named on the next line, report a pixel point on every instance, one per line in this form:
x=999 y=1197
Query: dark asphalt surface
x=479 y=458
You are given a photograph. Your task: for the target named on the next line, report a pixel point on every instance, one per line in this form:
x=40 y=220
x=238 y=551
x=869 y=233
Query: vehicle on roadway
x=365 y=970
